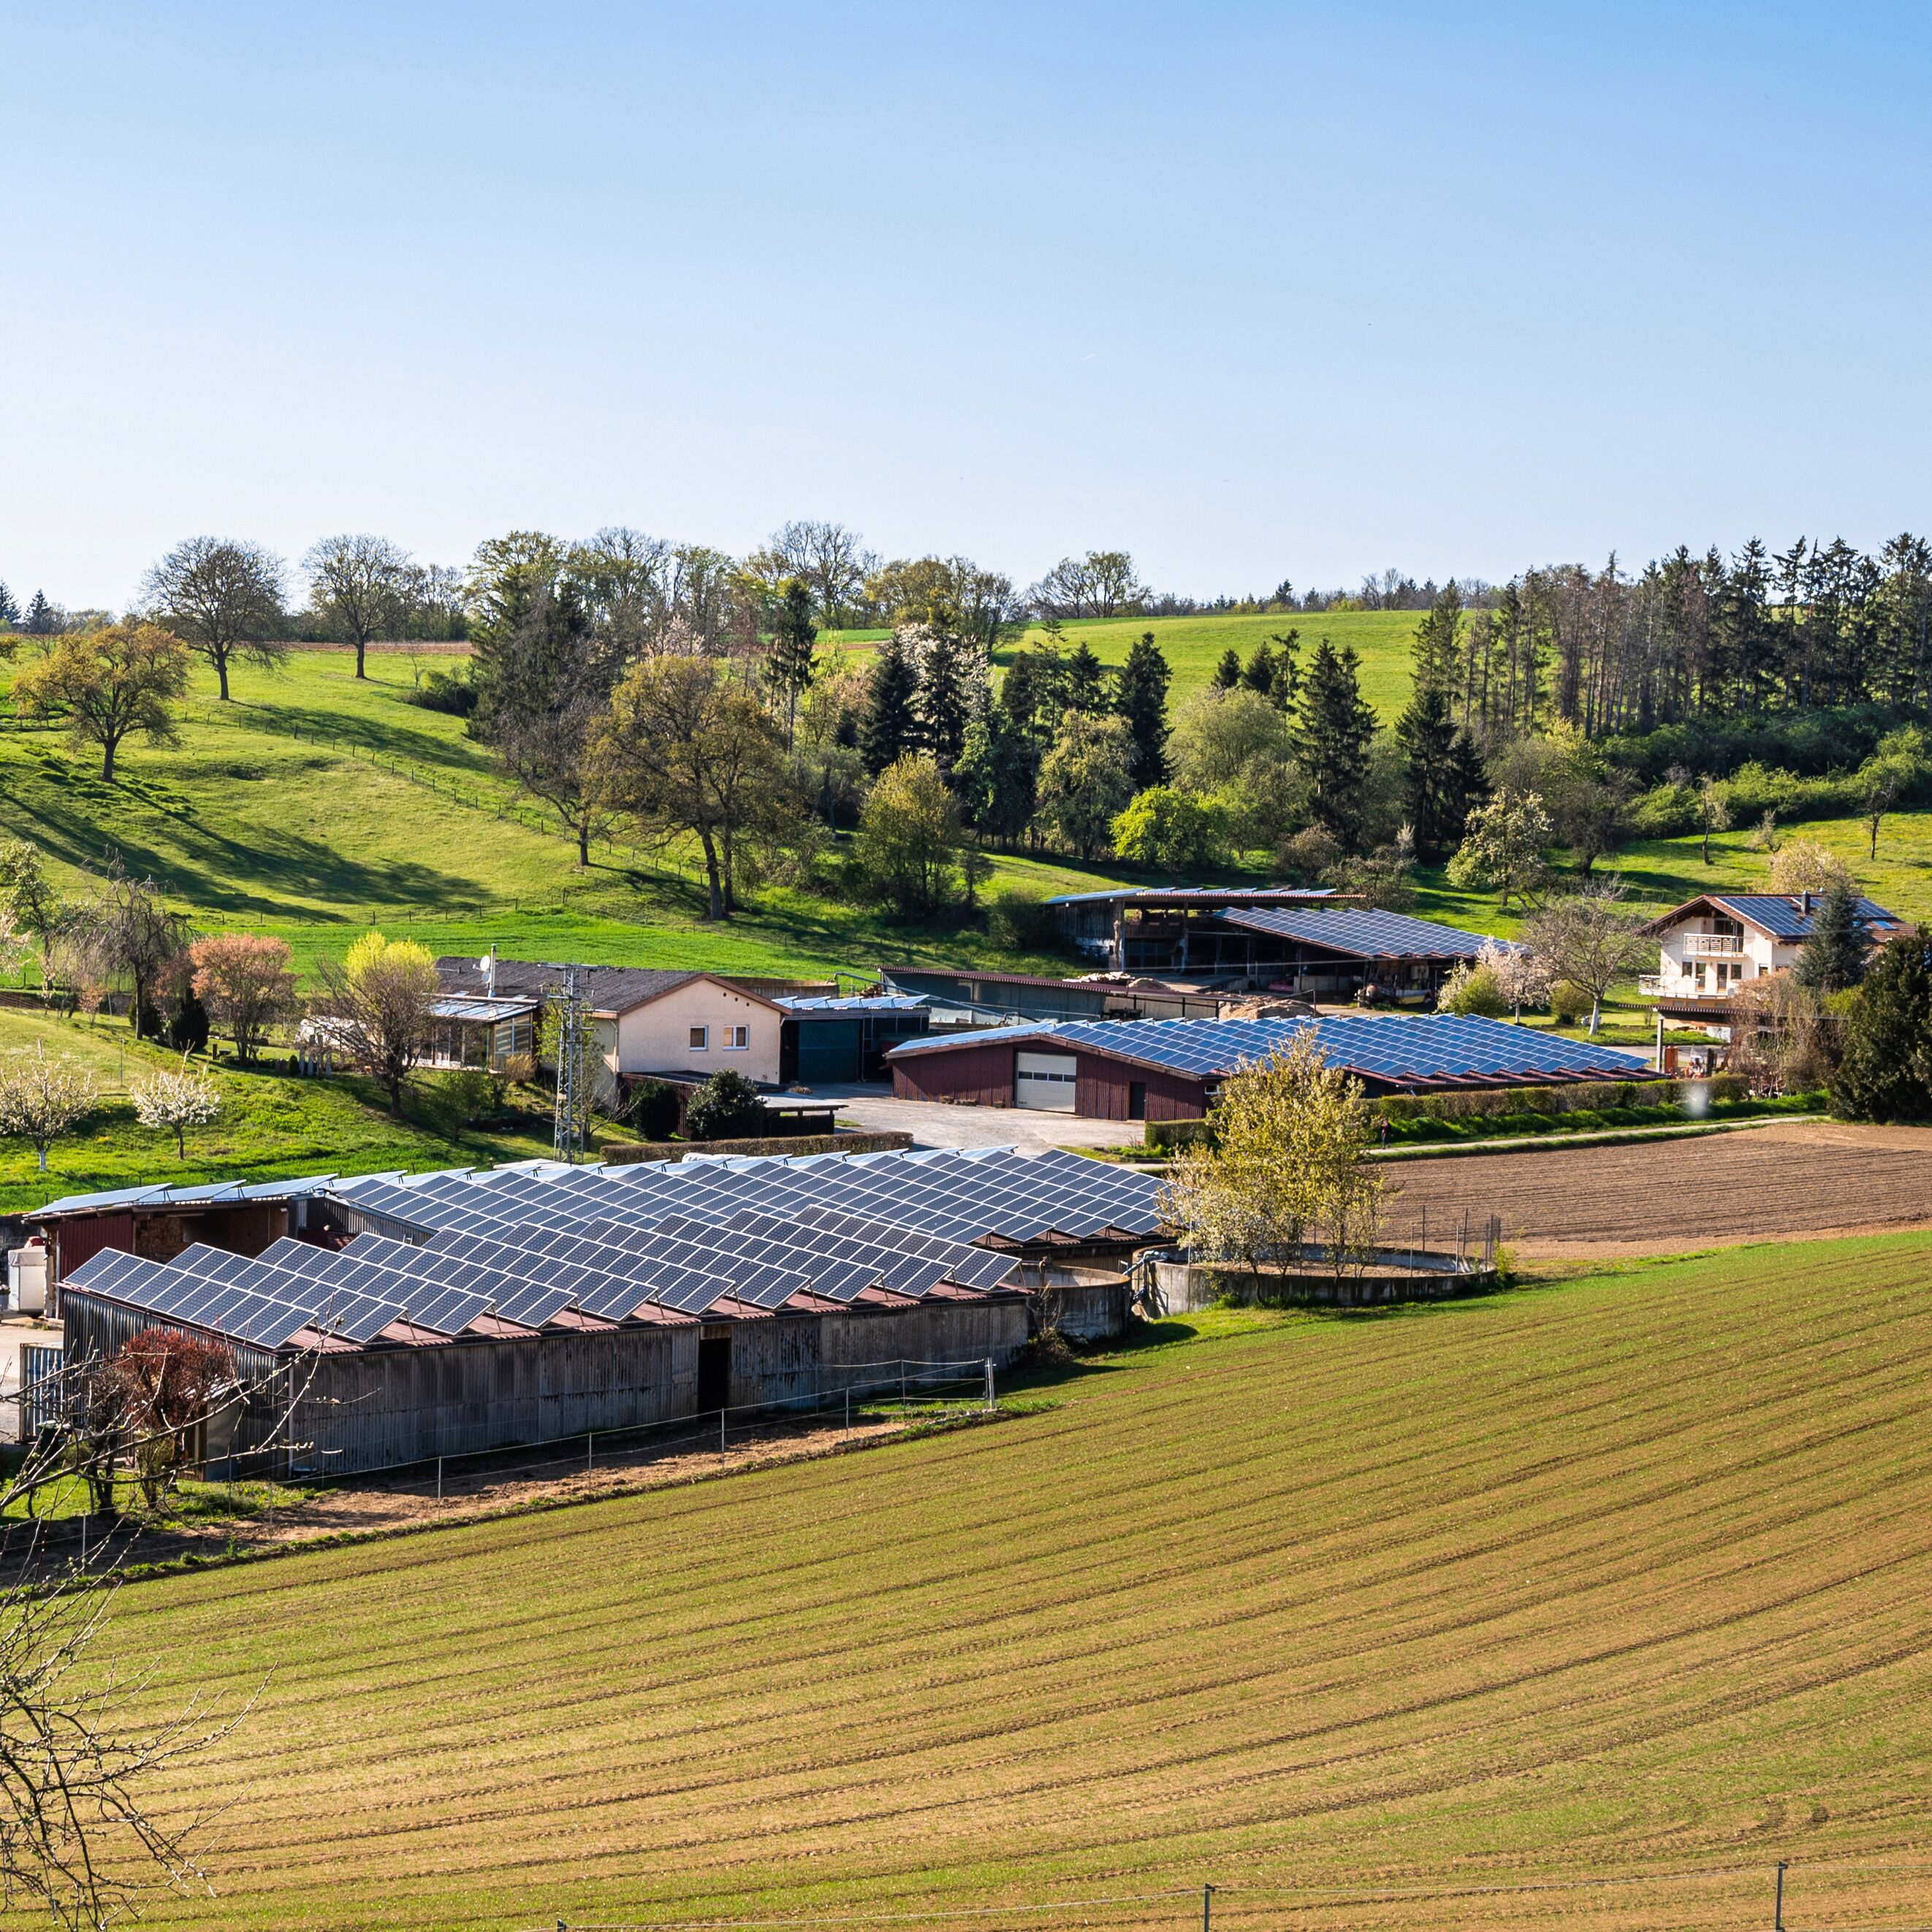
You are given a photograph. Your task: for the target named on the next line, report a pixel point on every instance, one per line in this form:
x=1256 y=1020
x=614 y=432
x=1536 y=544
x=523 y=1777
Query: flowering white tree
x=41 y=1095
x=1521 y=976
x=176 y=1101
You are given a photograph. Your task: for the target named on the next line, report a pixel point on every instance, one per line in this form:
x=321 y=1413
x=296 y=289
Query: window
x=737 y=1039
x=700 y=1039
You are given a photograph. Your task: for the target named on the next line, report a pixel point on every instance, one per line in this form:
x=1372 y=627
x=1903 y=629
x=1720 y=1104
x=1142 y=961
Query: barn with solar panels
x=1314 y=944
x=1170 y=1069
x=443 y=1314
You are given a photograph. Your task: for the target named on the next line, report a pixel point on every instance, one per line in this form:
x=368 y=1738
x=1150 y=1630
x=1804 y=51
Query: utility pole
x=570 y=1094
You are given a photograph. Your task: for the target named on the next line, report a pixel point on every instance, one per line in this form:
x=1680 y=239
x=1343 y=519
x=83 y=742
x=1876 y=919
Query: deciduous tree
x=243 y=979
x=41 y=1095
x=1086 y=781
x=108 y=684
x=1591 y=939
x=224 y=598
x=359 y=584
x=909 y=843
x=681 y=750
x=1171 y=831
x=376 y=1006
x=175 y=1099
x=1503 y=846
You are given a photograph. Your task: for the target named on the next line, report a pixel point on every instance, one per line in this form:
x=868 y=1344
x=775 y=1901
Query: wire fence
x=1776 y=1884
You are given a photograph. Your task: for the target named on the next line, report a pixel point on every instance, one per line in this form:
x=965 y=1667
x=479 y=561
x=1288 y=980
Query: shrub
x=1171 y=831
x=651 y=1110
x=726 y=1108
x=1302 y=859
x=444 y=690
x=1021 y=921
x=1569 y=1003
x=1473 y=989
x=462 y=1096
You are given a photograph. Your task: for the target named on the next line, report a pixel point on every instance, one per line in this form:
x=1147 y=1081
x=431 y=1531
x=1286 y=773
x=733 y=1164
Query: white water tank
x=27 y=1278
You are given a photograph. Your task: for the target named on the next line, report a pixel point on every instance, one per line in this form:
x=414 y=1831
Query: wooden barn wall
x=1101 y=1090
x=981 y=1075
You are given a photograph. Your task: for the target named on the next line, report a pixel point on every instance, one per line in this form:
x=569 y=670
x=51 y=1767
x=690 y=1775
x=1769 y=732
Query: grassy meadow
x=1576 y=1606
x=1193 y=645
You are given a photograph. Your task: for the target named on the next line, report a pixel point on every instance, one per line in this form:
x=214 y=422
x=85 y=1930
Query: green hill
x=1193 y=645
x=1578 y=1606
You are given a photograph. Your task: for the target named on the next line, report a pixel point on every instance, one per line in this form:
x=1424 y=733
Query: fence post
x=589 y=1450
x=848 y=1406
x=721 y=1432
x=989 y=1384
x=439 y=1479
x=1777 y=1911
x=1206 y=1908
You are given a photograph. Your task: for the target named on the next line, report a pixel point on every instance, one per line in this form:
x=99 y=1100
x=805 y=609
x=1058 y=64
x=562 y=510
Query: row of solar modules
x=530 y=1274
x=957 y=1197
x=1395 y=1048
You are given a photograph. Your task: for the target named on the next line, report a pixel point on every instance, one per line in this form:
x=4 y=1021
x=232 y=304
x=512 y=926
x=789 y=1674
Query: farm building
x=1313 y=945
x=687 y=1026
x=1712 y=947
x=1171 y=1069
x=447 y=1313
x=966 y=997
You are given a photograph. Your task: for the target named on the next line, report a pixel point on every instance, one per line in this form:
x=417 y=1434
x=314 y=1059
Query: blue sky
x=1255 y=292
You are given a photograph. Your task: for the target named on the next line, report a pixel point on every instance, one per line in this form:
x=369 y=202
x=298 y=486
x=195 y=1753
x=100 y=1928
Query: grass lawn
x=1616 y=1577
x=271 y=1125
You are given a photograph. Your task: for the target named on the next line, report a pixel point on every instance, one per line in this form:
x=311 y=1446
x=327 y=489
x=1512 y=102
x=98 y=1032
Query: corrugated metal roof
x=1359 y=933
x=854 y=1004
x=160 y=1195
x=1438 y=1048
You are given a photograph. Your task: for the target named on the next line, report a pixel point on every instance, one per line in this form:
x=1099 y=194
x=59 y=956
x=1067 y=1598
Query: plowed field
x=1665 y=1197
x=1574 y=1607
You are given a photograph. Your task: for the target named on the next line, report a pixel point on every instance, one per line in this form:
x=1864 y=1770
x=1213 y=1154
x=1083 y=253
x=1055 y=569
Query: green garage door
x=827 y=1050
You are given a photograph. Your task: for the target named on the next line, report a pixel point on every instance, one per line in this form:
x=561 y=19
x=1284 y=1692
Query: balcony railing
x=1712 y=945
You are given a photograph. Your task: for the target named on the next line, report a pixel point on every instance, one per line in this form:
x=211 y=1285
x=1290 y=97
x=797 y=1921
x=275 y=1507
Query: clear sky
x=1253 y=291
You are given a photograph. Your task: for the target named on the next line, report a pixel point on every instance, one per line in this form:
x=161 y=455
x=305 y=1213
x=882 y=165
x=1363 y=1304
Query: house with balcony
x=1713 y=946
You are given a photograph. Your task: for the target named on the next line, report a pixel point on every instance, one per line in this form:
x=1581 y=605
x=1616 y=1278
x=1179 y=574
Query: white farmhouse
x=1714 y=944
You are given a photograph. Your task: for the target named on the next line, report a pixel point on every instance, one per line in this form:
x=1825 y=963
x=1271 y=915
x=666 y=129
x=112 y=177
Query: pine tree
x=1833 y=955
x=1468 y=785
x=1886 y=1072
x=1425 y=733
x=891 y=727
x=1257 y=674
x=1086 y=681
x=1435 y=653
x=1140 y=696
x=41 y=619
x=1334 y=730
x=10 y=611
x=1228 y=672
x=947 y=699
x=789 y=663
x=996 y=776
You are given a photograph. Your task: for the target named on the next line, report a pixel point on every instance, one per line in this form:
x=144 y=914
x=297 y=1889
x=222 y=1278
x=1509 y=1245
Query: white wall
x=656 y=1038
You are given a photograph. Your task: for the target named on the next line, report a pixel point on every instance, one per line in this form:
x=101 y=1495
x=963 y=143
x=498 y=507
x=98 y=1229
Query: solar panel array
x=1396 y=1049
x=529 y=1244
x=1359 y=932
x=1787 y=919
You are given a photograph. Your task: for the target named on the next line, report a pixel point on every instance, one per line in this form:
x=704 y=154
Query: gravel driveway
x=933 y=1125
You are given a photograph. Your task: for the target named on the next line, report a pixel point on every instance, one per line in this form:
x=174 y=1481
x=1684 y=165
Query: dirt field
x=1665 y=1197
x=1562 y=1611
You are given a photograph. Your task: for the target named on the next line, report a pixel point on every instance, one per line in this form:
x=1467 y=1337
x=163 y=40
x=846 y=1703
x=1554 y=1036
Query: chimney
x=1807 y=902
x=491 y=970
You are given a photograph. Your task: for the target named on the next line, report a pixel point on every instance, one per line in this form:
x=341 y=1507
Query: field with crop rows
x=1578 y=1606
x=1661 y=1197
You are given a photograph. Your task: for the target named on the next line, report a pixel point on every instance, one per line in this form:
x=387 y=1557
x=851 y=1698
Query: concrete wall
x=656 y=1038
